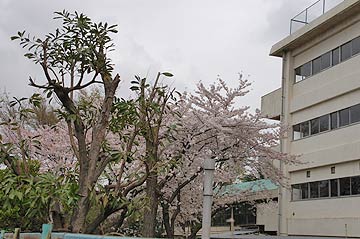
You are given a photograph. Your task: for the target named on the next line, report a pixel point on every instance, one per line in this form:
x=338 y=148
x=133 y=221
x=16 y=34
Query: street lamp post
x=231 y=220
x=209 y=167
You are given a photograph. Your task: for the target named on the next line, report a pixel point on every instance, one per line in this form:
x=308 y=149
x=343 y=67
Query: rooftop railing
x=312 y=12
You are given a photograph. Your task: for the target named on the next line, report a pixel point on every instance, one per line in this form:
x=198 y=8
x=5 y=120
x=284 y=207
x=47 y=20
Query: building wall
x=340 y=227
x=342 y=170
x=337 y=216
x=330 y=90
x=326 y=85
x=271 y=104
x=333 y=147
x=266 y=214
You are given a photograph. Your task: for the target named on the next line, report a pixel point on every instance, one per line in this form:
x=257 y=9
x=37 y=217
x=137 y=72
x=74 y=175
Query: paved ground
x=242 y=236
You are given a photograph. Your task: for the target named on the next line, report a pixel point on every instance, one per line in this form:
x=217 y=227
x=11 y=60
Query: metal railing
x=312 y=12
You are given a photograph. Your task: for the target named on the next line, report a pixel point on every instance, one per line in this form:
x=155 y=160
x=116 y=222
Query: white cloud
x=196 y=40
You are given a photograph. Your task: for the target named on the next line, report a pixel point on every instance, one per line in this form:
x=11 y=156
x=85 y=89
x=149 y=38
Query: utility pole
x=209 y=167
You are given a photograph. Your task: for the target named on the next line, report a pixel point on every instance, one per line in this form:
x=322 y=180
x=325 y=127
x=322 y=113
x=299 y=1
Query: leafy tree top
x=74 y=55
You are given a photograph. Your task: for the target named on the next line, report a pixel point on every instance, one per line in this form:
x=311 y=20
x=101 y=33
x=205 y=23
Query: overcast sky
x=196 y=40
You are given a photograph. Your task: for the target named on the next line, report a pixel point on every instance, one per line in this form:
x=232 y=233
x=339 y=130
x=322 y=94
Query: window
x=306 y=70
x=303 y=71
x=332 y=170
x=334 y=188
x=344 y=117
x=244 y=214
x=296 y=132
x=316 y=65
x=346 y=51
x=221 y=217
x=301 y=130
x=298 y=76
x=327 y=188
x=355 y=113
x=324 y=188
x=308 y=174
x=336 y=56
x=324 y=123
x=344 y=186
x=355 y=44
x=326 y=60
x=355 y=185
x=314 y=190
x=304 y=129
x=296 y=192
x=315 y=126
x=334 y=120
x=304 y=190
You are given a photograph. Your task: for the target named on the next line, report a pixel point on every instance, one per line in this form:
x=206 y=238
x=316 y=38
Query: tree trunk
x=166 y=220
x=121 y=219
x=57 y=217
x=150 y=211
x=195 y=228
x=91 y=227
x=79 y=215
x=88 y=159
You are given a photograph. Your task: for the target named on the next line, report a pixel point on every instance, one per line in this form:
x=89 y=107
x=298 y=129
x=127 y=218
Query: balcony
x=271 y=105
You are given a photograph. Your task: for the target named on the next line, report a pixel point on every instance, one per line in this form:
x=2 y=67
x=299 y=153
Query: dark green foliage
x=26 y=201
x=72 y=52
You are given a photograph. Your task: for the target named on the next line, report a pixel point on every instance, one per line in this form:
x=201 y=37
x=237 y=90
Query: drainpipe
x=282 y=114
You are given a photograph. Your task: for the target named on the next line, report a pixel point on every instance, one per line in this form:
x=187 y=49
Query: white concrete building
x=320 y=101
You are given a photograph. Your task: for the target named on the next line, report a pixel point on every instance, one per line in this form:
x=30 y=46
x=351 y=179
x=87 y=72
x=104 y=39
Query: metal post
x=46 y=231
x=16 y=234
x=209 y=167
x=324 y=2
x=232 y=222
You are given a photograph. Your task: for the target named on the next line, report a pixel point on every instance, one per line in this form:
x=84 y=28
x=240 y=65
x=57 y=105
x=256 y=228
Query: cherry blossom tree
x=27 y=141
x=147 y=149
x=200 y=125
x=127 y=141
x=38 y=184
x=240 y=142
x=153 y=106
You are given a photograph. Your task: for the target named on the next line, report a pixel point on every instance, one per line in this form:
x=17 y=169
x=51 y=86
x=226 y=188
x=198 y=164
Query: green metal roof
x=253 y=186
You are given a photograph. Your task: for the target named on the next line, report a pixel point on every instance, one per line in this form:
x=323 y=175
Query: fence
x=312 y=12
x=48 y=234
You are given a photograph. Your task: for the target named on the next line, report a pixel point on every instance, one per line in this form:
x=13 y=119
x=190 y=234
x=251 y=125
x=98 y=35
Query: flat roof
x=321 y=24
